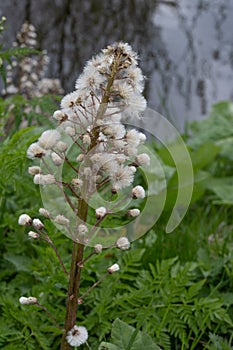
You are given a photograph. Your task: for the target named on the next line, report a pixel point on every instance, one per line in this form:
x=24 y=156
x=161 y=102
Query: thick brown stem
x=74 y=282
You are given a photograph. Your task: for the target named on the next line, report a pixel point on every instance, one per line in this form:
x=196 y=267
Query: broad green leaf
x=125 y=337
x=223 y=188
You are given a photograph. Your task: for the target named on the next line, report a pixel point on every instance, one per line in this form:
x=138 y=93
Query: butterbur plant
x=87 y=168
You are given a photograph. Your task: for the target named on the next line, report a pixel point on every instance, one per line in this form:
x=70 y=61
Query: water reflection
x=185 y=46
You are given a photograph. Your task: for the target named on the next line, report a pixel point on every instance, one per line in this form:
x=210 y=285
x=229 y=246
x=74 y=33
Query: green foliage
x=216 y=129
x=210 y=146
x=172 y=292
x=18 y=110
x=13 y=155
x=166 y=300
x=125 y=337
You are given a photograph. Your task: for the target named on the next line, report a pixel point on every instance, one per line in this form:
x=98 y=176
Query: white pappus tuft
x=143 y=159
x=49 y=139
x=123 y=243
x=35 y=151
x=77 y=336
x=40 y=179
x=33 y=170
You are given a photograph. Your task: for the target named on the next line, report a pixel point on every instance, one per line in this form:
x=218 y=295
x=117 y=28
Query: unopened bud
x=24 y=220
x=61 y=220
x=82 y=230
x=113 y=268
x=133 y=212
x=80 y=157
x=138 y=192
x=61 y=146
x=33 y=170
x=28 y=301
x=44 y=212
x=33 y=234
x=100 y=212
x=37 y=224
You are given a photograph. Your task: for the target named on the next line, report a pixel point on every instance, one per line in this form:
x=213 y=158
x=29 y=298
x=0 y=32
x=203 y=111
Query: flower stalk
x=90 y=117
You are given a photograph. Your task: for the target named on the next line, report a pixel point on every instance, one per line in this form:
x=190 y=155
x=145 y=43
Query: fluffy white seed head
x=122 y=177
x=143 y=159
x=28 y=301
x=61 y=146
x=138 y=192
x=40 y=179
x=49 y=139
x=77 y=336
x=70 y=131
x=60 y=116
x=123 y=243
x=133 y=138
x=37 y=224
x=56 y=159
x=133 y=212
x=35 y=151
x=24 y=220
x=142 y=137
x=61 y=220
x=100 y=212
x=33 y=170
x=113 y=268
x=98 y=248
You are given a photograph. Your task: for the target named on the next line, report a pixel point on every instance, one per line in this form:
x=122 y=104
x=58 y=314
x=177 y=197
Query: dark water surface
x=186 y=46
